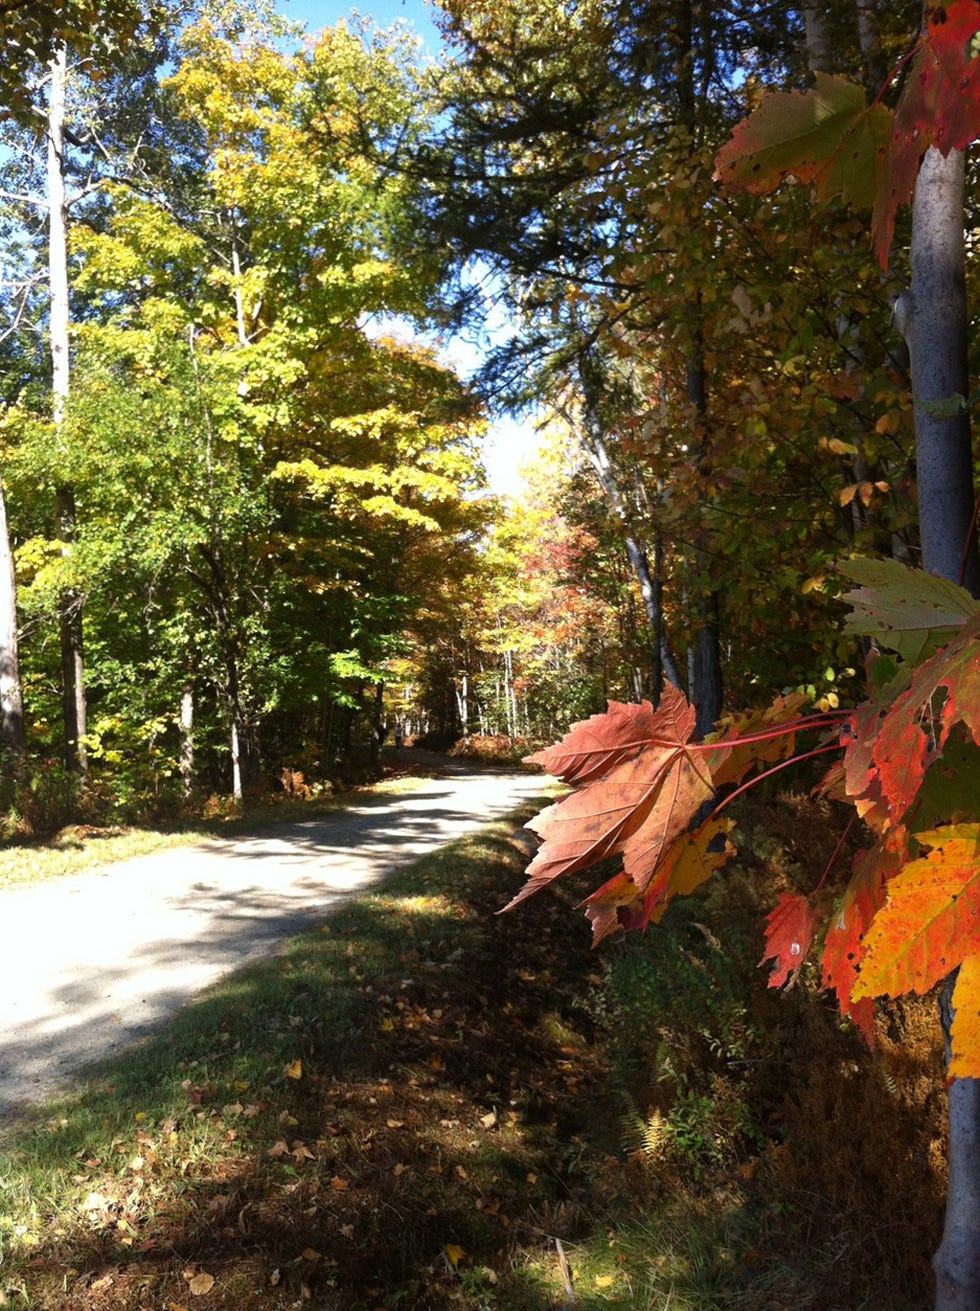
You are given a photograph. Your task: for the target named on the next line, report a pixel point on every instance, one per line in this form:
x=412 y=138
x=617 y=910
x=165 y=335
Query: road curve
x=92 y=962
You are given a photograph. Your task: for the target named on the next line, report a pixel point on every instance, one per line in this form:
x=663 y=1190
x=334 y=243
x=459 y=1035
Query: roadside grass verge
x=79 y=847
x=423 y=1106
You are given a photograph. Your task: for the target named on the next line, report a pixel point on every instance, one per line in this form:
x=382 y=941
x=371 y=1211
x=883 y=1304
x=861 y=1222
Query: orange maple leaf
x=691 y=861
x=930 y=922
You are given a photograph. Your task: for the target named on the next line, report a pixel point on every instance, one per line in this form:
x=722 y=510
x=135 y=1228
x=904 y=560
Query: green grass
x=409 y=1109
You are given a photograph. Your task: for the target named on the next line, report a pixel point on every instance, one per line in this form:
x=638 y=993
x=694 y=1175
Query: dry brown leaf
x=201 y=1284
x=339 y=1185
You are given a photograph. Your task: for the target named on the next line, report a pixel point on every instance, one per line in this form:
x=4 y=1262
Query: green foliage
x=267 y=489
x=677 y=1011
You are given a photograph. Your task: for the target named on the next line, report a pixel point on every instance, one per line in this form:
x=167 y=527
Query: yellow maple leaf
x=454 y=1253
x=294 y=1070
x=965 y=1033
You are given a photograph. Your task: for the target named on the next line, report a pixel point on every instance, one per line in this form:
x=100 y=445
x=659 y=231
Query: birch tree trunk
x=70 y=602
x=187 y=738
x=819 y=49
x=933 y=316
x=11 y=700
x=237 y=790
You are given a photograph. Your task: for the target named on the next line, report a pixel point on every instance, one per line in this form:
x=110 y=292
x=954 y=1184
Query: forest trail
x=95 y=961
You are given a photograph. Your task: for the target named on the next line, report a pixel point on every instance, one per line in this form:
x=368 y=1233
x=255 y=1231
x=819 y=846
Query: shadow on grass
x=382 y=1115
x=407 y=1109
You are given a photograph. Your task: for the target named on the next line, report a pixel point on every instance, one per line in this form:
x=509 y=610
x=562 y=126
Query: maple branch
x=836 y=852
x=783 y=764
x=826 y=719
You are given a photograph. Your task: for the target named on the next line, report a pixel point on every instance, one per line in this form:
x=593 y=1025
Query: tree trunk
x=934 y=320
x=187 y=738
x=237 y=792
x=69 y=603
x=377 y=725
x=933 y=316
x=594 y=444
x=706 y=689
x=819 y=48
x=11 y=699
x=870 y=42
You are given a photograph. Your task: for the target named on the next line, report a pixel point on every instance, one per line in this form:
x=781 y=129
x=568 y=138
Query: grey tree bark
x=933 y=317
x=11 y=698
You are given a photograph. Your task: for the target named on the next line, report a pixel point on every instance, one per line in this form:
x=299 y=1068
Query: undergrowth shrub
x=38 y=797
x=494 y=747
x=768 y=1097
x=675 y=1004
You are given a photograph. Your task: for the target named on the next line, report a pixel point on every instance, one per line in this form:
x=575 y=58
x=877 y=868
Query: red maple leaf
x=843 y=948
x=789 y=932
x=634 y=799
x=940 y=106
x=944 y=690
x=590 y=749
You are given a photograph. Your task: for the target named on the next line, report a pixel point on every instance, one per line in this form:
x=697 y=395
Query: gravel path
x=92 y=962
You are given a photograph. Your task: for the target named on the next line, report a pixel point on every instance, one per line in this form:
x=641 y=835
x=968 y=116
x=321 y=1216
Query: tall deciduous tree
x=584 y=180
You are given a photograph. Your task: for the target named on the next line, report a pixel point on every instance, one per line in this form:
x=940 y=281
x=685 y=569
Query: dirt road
x=92 y=962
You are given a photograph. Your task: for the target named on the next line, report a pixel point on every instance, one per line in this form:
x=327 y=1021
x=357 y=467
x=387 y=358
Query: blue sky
x=323 y=13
